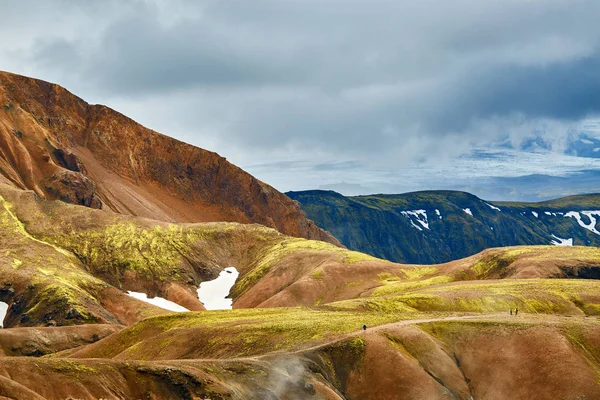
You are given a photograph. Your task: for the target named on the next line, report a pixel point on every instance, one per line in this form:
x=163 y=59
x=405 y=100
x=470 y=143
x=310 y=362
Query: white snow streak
x=420 y=215
x=493 y=207
x=590 y=214
x=213 y=294
x=158 y=301
x=534 y=214
x=561 y=242
x=3 y=311
x=468 y=211
x=437 y=212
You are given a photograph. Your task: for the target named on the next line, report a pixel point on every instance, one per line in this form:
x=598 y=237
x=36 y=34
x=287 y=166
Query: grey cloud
x=568 y=90
x=380 y=82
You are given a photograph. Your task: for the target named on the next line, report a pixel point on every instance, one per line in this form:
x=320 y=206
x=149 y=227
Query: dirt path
x=337 y=339
x=378 y=328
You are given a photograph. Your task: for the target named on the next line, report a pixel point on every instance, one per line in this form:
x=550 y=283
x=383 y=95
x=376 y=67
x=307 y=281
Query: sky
x=356 y=96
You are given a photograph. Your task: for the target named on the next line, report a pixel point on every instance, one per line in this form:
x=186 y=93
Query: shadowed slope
x=430 y=227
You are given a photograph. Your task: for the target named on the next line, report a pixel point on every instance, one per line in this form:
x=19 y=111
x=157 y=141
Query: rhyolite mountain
x=59 y=146
x=74 y=330
x=439 y=226
x=436 y=332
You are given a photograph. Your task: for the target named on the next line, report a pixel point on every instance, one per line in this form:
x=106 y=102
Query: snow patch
x=420 y=215
x=590 y=214
x=158 y=301
x=534 y=214
x=468 y=211
x=596 y=149
x=586 y=141
x=547 y=213
x=493 y=207
x=3 y=311
x=561 y=242
x=437 y=212
x=213 y=294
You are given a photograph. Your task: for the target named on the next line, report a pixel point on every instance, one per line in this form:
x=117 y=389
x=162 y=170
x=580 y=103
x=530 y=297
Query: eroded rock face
x=71 y=187
x=61 y=147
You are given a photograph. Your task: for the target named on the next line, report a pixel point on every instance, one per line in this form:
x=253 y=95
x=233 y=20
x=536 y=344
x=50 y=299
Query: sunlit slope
x=66 y=264
x=400 y=355
x=59 y=146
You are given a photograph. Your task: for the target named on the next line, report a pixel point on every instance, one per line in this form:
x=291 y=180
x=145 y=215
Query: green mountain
x=439 y=226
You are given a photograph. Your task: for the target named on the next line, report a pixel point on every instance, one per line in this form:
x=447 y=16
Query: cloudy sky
x=359 y=96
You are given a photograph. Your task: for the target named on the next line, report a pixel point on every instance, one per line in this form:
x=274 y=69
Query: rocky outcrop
x=63 y=148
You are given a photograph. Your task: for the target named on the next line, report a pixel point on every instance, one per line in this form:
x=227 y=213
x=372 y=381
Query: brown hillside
x=61 y=147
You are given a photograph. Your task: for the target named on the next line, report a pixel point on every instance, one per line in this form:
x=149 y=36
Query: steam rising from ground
x=289 y=379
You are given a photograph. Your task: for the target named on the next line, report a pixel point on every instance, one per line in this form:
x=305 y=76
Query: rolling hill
x=94 y=207
x=439 y=226
x=298 y=304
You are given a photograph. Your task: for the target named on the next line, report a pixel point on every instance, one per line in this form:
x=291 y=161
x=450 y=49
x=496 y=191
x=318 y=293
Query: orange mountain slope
x=61 y=147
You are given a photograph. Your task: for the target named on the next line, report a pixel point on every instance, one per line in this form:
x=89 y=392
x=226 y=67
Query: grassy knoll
x=543 y=296
x=233 y=333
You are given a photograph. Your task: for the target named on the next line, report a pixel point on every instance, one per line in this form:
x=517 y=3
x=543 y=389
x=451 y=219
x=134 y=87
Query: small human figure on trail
x=364 y=327
x=511 y=311
x=516 y=312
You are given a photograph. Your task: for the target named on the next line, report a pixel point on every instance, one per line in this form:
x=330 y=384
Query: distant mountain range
x=439 y=226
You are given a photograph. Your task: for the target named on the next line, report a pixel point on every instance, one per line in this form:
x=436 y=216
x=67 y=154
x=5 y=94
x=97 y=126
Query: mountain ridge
x=439 y=226
x=61 y=147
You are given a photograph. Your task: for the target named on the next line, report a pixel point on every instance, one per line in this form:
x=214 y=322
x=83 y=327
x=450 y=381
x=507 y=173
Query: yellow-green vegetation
x=579 y=337
x=540 y=296
x=448 y=330
x=153 y=252
x=392 y=287
x=61 y=285
x=497 y=263
x=271 y=256
x=10 y=219
x=65 y=366
x=419 y=272
x=352 y=257
x=318 y=274
x=411 y=277
x=387 y=305
x=243 y=332
x=415 y=344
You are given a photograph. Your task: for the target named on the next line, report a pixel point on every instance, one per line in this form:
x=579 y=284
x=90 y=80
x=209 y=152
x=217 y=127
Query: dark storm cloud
x=383 y=80
x=567 y=90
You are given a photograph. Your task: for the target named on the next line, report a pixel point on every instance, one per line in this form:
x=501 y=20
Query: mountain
x=97 y=213
x=295 y=331
x=61 y=147
x=439 y=226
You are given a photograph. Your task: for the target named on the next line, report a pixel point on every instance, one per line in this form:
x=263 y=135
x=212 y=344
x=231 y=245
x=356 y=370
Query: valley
x=109 y=247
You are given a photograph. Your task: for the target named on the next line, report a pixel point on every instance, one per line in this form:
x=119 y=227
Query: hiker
x=364 y=327
x=511 y=311
x=516 y=312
